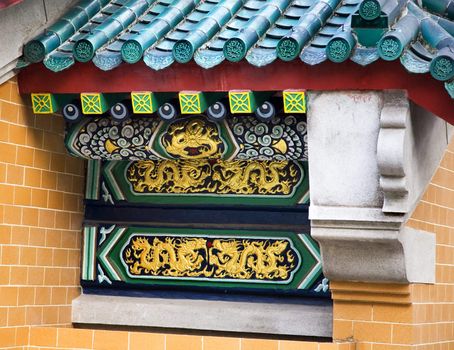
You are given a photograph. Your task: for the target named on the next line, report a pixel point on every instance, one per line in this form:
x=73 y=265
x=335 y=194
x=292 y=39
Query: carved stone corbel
x=392 y=152
x=371 y=156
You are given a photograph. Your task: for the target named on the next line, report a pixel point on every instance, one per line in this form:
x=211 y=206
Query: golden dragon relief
x=168 y=176
x=248 y=259
x=243 y=259
x=172 y=257
x=245 y=177
x=193 y=138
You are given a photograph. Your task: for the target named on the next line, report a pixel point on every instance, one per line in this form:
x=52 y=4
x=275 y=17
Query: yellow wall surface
x=41 y=193
x=418 y=316
x=41 y=207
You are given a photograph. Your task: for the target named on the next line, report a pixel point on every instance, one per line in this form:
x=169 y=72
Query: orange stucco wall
x=41 y=212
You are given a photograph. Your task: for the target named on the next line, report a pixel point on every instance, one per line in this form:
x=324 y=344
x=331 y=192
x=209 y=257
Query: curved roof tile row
x=161 y=32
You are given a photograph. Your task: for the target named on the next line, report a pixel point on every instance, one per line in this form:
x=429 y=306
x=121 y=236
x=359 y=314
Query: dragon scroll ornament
x=246 y=259
x=243 y=259
x=171 y=257
x=193 y=138
x=205 y=176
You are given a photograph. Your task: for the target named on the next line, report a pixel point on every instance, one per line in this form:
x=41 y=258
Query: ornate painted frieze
x=234 y=177
x=247 y=182
x=195 y=137
x=259 y=260
x=147 y=256
x=104 y=138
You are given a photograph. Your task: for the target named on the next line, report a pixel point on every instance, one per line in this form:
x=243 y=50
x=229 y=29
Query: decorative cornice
x=371 y=292
x=392 y=152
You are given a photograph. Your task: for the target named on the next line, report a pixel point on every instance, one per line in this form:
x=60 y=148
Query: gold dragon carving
x=248 y=177
x=246 y=259
x=175 y=257
x=225 y=258
x=168 y=176
x=193 y=138
x=244 y=177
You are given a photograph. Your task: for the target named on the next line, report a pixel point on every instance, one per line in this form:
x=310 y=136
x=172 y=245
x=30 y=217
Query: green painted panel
x=209 y=258
x=267 y=183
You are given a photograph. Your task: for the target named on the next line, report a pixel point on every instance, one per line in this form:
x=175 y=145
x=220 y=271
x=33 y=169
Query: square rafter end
x=241 y=101
x=294 y=101
x=192 y=102
x=43 y=103
x=143 y=102
x=93 y=103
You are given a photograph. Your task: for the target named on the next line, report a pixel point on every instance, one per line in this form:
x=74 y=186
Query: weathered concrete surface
x=343 y=131
x=212 y=315
x=22 y=22
x=377 y=255
x=371 y=156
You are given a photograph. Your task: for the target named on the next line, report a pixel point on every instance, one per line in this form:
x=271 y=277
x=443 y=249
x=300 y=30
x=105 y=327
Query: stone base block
x=296 y=319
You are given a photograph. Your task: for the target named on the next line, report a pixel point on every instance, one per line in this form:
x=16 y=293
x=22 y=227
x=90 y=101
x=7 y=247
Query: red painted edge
x=7 y=3
x=421 y=88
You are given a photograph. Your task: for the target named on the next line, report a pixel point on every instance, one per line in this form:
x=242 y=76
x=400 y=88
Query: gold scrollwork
x=245 y=177
x=193 y=138
x=243 y=259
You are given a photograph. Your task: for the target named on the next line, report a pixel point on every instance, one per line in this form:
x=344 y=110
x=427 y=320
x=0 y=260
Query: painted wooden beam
x=192 y=102
x=246 y=101
x=421 y=88
x=93 y=103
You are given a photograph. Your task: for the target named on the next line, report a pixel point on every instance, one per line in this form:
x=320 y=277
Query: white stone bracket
x=371 y=156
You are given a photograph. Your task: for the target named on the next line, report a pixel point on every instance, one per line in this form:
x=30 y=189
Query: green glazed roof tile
x=160 y=32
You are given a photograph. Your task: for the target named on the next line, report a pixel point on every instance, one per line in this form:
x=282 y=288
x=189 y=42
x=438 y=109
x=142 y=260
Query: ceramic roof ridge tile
x=62 y=30
x=442 y=64
x=62 y=57
x=84 y=49
x=340 y=45
x=133 y=49
x=209 y=31
x=161 y=55
x=291 y=45
x=109 y=56
x=264 y=52
x=440 y=7
x=237 y=47
x=184 y=49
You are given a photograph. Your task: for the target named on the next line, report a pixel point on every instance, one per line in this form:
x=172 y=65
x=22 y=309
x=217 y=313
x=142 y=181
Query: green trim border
x=89 y=253
x=115 y=175
x=93 y=177
x=303 y=277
